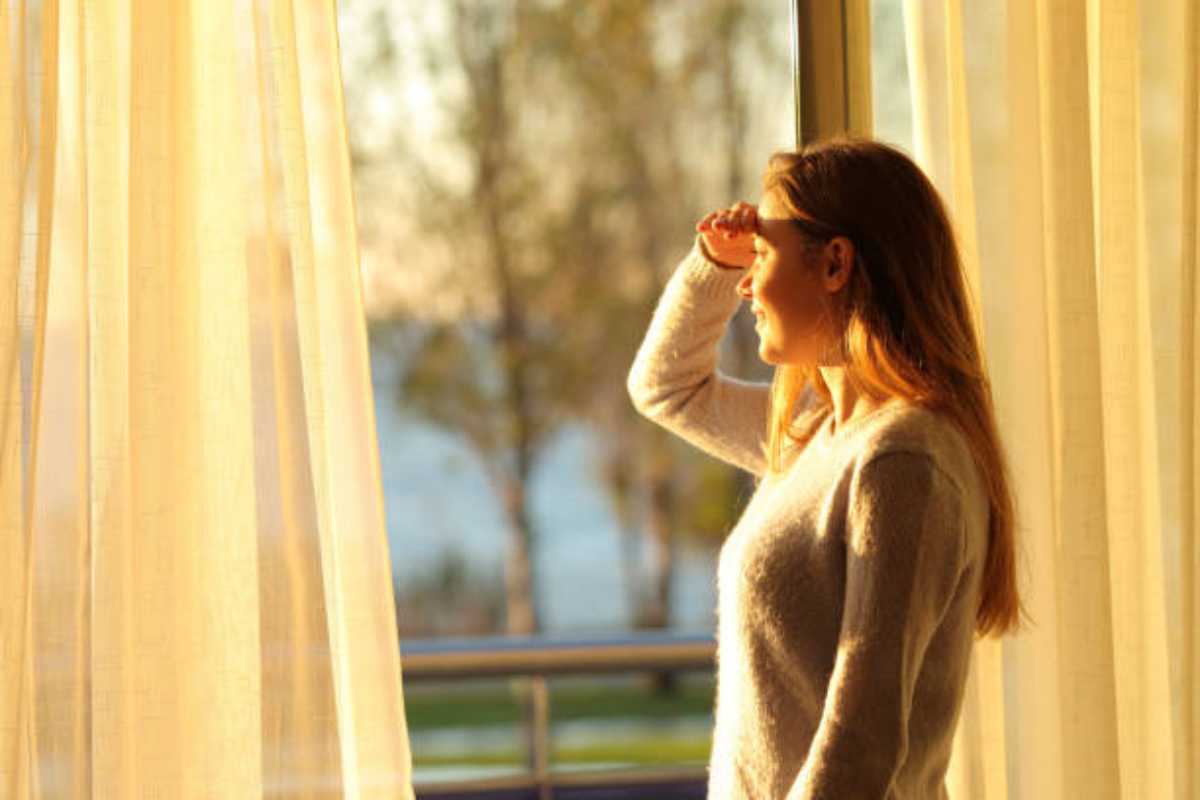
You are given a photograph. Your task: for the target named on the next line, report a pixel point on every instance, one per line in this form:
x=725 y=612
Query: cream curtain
x=195 y=586
x=1064 y=135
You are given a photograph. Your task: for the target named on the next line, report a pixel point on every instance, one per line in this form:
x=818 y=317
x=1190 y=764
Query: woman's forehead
x=774 y=223
x=770 y=228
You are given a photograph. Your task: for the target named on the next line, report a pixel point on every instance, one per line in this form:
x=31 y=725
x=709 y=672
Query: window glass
x=526 y=177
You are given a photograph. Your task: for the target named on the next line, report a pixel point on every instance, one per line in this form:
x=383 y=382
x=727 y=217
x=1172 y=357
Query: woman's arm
x=674 y=380
x=905 y=550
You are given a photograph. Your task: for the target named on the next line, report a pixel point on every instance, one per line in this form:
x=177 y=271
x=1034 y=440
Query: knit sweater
x=846 y=591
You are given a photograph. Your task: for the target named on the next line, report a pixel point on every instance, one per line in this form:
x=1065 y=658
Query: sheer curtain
x=195 y=585
x=1064 y=136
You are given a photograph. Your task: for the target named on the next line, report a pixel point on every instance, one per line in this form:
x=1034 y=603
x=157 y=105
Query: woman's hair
x=906 y=319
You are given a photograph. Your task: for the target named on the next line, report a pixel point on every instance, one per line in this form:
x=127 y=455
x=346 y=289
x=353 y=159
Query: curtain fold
x=196 y=596
x=1082 y=128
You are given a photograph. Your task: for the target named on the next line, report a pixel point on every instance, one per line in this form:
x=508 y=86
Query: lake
x=437 y=499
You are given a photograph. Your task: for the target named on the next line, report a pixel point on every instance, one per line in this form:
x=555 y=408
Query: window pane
x=527 y=175
x=891 y=102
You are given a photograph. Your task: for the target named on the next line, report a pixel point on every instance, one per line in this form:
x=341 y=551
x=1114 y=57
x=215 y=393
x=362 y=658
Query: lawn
x=593 y=721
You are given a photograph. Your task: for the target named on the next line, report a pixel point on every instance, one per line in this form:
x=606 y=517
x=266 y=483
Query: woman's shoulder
x=911 y=428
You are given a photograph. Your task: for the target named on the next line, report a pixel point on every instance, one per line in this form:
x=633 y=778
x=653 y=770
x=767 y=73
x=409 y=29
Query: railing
x=538 y=658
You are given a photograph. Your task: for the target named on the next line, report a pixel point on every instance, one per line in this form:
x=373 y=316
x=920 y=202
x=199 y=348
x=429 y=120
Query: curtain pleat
x=942 y=145
x=1186 y=683
x=1134 y=519
x=340 y=410
x=1033 y=126
x=196 y=596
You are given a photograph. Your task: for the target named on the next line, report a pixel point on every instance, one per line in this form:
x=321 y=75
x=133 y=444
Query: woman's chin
x=771 y=354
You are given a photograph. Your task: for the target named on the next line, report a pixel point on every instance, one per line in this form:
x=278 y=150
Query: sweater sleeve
x=904 y=557
x=674 y=379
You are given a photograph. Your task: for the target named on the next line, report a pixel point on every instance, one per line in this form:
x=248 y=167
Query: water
x=437 y=499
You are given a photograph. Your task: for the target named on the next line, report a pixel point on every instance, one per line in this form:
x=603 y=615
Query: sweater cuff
x=707 y=275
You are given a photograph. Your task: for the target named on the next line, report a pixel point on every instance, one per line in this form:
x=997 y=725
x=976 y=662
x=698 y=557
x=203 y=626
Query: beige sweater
x=847 y=589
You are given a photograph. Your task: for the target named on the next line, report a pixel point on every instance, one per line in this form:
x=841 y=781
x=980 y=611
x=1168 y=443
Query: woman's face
x=789 y=286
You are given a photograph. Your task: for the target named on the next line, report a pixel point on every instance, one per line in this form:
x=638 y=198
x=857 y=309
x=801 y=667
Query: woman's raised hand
x=728 y=233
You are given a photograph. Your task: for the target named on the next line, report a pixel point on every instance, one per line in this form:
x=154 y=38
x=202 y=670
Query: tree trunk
x=660 y=524
x=522 y=619
x=618 y=479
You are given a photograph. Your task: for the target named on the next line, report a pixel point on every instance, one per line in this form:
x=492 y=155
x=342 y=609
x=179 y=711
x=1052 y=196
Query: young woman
x=879 y=540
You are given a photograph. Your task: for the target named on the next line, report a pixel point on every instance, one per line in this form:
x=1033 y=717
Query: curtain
x=1064 y=137
x=195 y=585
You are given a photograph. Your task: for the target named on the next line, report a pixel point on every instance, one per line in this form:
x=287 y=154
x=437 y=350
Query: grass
x=642 y=753
x=434 y=706
x=457 y=706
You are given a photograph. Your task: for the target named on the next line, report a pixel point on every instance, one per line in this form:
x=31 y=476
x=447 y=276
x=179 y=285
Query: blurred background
x=526 y=176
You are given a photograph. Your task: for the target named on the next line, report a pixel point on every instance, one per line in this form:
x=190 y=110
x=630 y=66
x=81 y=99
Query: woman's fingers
x=735 y=221
x=744 y=213
x=722 y=230
x=749 y=216
x=739 y=218
x=739 y=221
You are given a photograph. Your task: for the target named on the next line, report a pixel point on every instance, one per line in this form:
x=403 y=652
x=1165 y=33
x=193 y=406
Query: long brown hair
x=906 y=318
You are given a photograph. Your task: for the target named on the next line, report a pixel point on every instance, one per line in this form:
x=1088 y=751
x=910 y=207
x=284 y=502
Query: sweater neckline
x=829 y=438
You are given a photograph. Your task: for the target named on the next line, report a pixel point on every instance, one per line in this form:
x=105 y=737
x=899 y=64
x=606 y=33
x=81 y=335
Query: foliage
x=578 y=141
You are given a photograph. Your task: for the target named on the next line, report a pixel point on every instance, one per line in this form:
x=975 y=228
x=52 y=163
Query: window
x=527 y=175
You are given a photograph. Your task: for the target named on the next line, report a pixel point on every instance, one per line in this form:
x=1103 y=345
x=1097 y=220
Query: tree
x=581 y=187
x=632 y=201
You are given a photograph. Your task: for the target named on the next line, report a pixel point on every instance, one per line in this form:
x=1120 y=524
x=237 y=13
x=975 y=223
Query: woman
x=879 y=540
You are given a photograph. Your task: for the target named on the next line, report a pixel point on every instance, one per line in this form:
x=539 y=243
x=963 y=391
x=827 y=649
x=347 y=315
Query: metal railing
x=541 y=657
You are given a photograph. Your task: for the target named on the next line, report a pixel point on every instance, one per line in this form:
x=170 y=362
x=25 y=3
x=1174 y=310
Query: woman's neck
x=848 y=403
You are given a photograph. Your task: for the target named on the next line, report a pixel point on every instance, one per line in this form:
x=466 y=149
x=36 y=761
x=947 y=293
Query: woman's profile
x=879 y=542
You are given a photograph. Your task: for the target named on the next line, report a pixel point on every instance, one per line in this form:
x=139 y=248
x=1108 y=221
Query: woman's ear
x=840 y=252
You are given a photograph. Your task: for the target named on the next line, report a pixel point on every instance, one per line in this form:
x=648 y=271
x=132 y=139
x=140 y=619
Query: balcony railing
x=539 y=658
